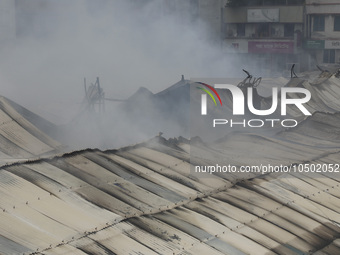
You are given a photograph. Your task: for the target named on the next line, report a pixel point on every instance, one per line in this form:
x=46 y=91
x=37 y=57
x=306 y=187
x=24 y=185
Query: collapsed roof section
x=324 y=94
x=323 y=87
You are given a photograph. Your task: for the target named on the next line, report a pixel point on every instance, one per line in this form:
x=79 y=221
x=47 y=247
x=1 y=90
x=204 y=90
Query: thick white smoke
x=128 y=44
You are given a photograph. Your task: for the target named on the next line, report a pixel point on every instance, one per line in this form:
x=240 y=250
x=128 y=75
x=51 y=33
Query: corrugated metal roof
x=145 y=199
x=19 y=138
x=324 y=91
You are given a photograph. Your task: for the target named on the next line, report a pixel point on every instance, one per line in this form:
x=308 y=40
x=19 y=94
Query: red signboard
x=271 y=47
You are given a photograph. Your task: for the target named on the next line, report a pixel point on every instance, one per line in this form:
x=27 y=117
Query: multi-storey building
x=268 y=35
x=322 y=31
x=264 y=33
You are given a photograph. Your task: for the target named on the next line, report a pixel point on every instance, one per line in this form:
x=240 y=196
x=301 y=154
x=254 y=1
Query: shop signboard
x=263 y=15
x=314 y=44
x=332 y=44
x=284 y=47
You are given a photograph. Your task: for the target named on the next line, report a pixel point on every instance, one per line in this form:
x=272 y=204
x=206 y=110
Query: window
x=336 y=23
x=241 y=30
x=288 y=30
x=319 y=23
x=262 y=30
x=329 y=56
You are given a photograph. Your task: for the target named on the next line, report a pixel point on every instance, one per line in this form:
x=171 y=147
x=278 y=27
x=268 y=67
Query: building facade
x=322 y=31
x=265 y=34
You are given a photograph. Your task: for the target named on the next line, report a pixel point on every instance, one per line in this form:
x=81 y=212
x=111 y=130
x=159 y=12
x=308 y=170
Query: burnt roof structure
x=146 y=199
